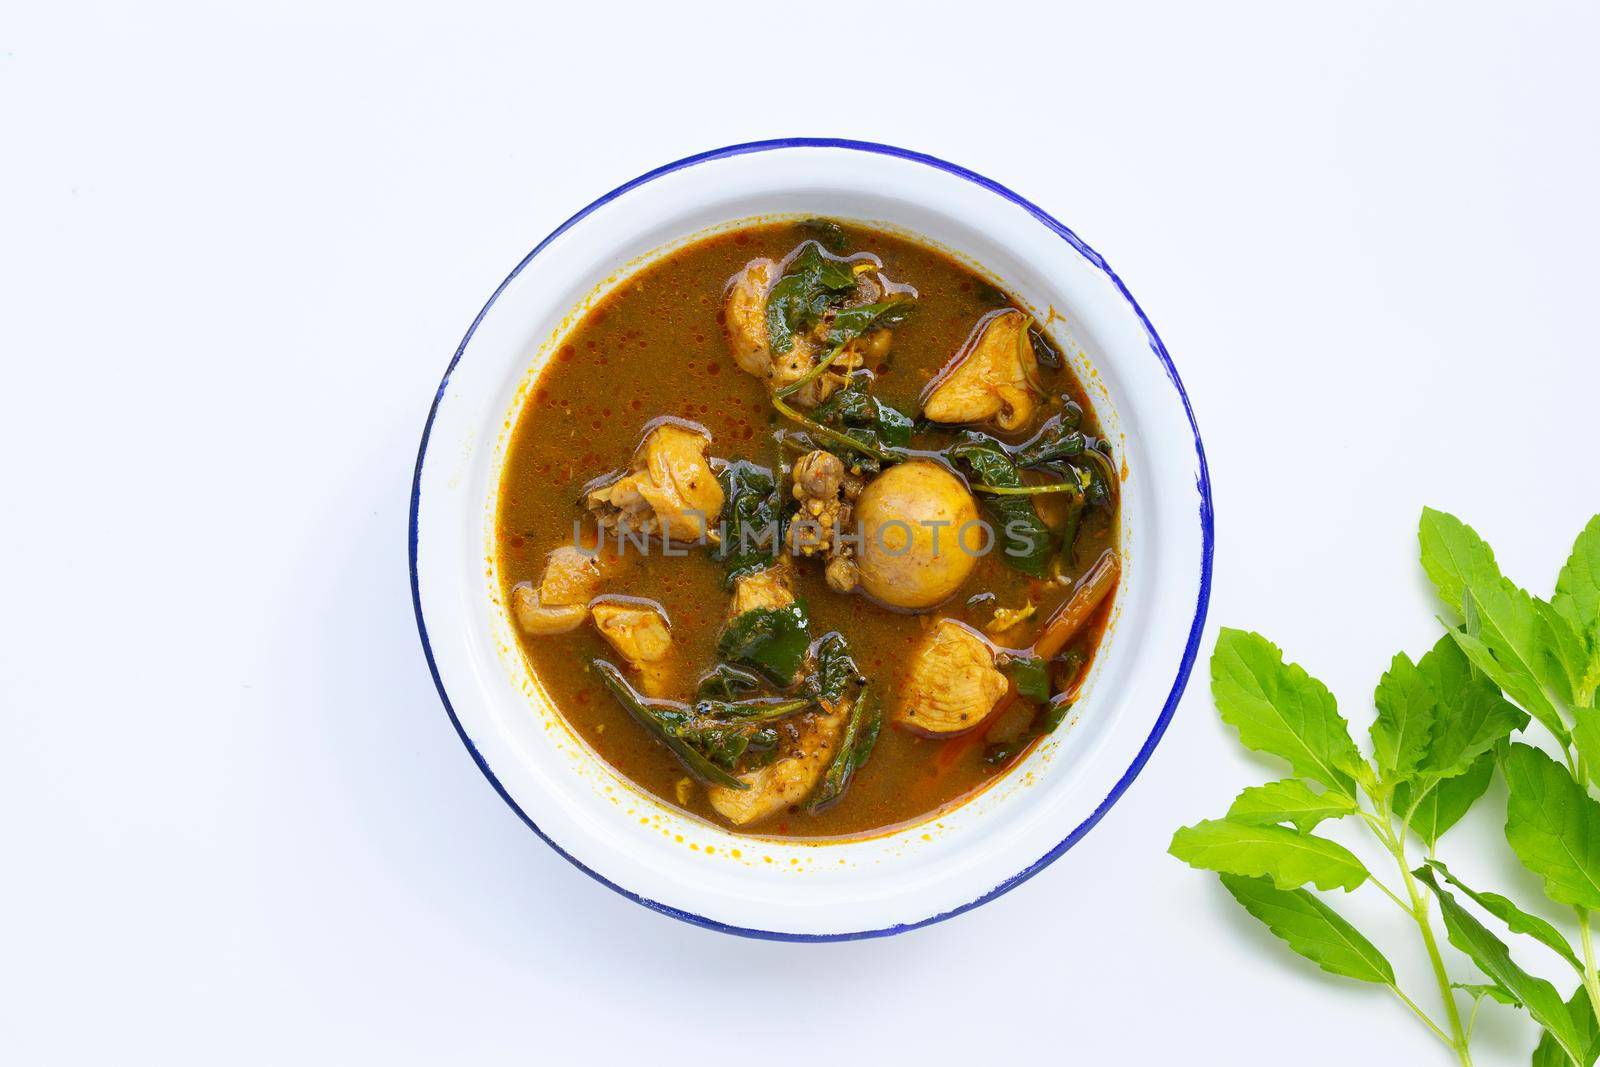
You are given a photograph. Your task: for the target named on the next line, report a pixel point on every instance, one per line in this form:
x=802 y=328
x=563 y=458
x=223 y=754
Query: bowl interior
x=782 y=887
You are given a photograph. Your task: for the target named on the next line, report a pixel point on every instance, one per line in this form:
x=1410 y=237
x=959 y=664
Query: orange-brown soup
x=903 y=713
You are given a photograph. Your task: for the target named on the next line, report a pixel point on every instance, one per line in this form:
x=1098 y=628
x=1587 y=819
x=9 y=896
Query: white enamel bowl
x=772 y=888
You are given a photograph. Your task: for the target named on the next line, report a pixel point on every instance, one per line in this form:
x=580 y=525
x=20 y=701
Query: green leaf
x=1025 y=541
x=725 y=743
x=1407 y=711
x=1494 y=959
x=770 y=640
x=1578 y=591
x=1280 y=709
x=1044 y=350
x=1031 y=676
x=750 y=519
x=1578 y=588
x=835 y=668
x=1505 y=638
x=1312 y=929
x=1453 y=555
x=858 y=413
x=1472 y=715
x=1290 y=858
x=851 y=323
x=1059 y=438
x=1586 y=738
x=664 y=724
x=1516 y=920
x=718 y=713
x=797 y=300
x=1549 y=1052
x=726 y=682
x=1291 y=801
x=826 y=232
x=1553 y=827
x=1566 y=665
x=1441 y=802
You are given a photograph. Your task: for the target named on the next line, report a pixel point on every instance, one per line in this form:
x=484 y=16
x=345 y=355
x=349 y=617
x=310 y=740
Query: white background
x=237 y=250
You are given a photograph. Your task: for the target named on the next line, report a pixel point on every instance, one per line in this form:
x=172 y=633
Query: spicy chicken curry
x=809 y=530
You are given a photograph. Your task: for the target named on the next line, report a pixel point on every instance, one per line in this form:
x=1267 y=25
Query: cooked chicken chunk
x=827 y=493
x=818 y=478
x=573 y=575
x=540 y=619
x=953 y=684
x=842 y=573
x=560 y=602
x=790 y=778
x=744 y=317
x=638 y=630
x=818 y=475
x=770 y=588
x=670 y=489
x=992 y=378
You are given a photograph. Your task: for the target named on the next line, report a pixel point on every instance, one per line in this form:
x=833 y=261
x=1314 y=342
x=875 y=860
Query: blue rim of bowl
x=1203 y=484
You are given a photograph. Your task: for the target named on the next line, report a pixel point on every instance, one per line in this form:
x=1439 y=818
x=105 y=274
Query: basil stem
x=653 y=720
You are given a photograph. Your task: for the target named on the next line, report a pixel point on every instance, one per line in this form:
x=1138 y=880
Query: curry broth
x=655 y=347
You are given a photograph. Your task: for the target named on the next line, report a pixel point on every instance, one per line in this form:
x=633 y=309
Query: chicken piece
x=827 y=493
x=770 y=588
x=573 y=575
x=818 y=477
x=953 y=684
x=993 y=378
x=670 y=489
x=791 y=777
x=744 y=317
x=638 y=630
x=843 y=573
x=560 y=602
x=873 y=347
x=540 y=619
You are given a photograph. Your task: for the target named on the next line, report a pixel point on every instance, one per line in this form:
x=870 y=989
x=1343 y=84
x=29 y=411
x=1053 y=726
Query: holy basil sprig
x=799 y=299
x=674 y=728
x=1264 y=846
x=711 y=738
x=1028 y=540
x=857 y=413
x=1544 y=655
x=1443 y=723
